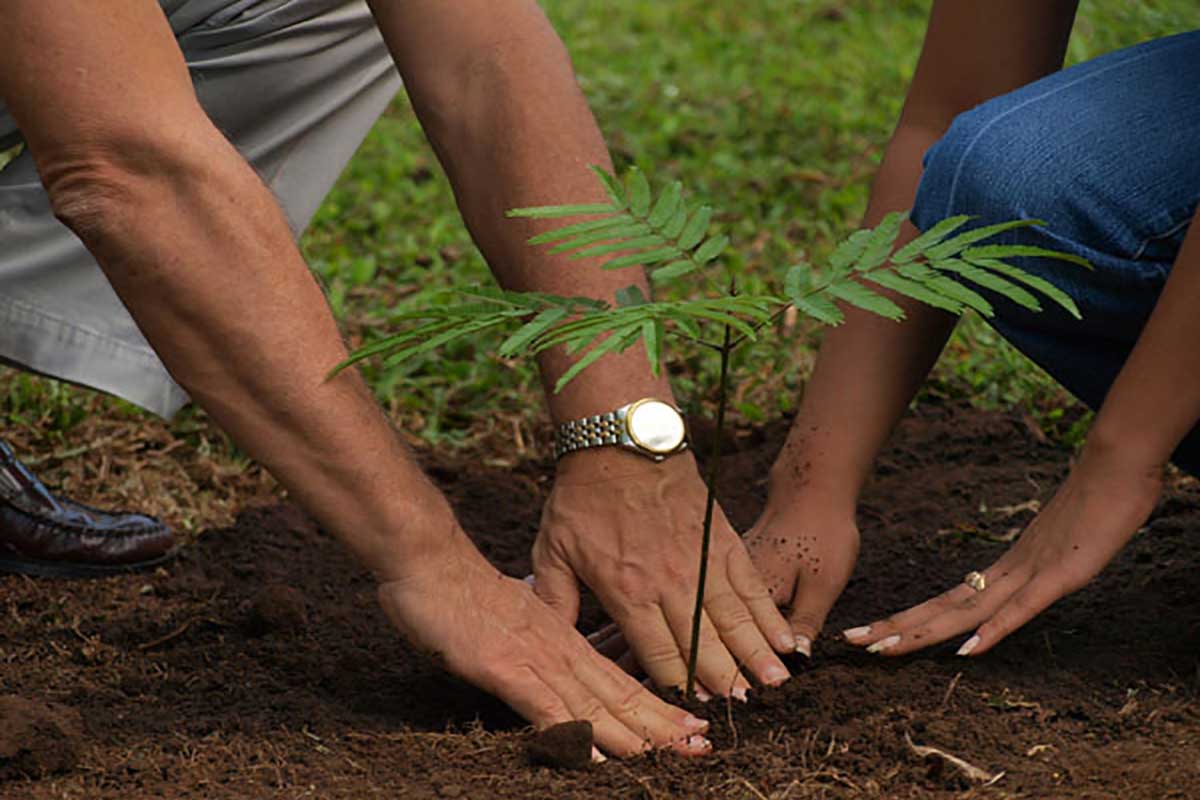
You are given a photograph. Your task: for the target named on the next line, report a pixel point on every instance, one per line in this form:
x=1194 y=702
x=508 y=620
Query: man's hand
x=1103 y=502
x=805 y=554
x=632 y=533
x=493 y=631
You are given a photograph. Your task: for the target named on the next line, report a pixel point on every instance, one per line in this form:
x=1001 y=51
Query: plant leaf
x=612 y=186
x=1035 y=282
x=1021 y=251
x=848 y=252
x=929 y=238
x=614 y=221
x=644 y=258
x=629 y=296
x=530 y=331
x=881 y=241
x=711 y=249
x=637 y=243
x=696 y=228
x=676 y=269
x=624 y=232
x=619 y=340
x=674 y=227
x=556 y=212
x=820 y=308
x=652 y=335
x=916 y=291
x=958 y=243
x=667 y=205
x=638 y=192
x=856 y=294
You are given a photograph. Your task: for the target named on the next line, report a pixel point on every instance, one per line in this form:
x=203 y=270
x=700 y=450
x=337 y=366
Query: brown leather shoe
x=41 y=534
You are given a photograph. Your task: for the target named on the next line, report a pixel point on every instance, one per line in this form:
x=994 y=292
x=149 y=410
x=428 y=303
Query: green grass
x=774 y=110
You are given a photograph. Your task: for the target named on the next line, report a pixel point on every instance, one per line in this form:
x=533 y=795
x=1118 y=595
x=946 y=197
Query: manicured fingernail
x=598 y=757
x=854 y=634
x=695 y=723
x=969 y=645
x=698 y=744
x=804 y=645
x=702 y=694
x=775 y=674
x=785 y=642
x=739 y=693
x=884 y=644
x=530 y=579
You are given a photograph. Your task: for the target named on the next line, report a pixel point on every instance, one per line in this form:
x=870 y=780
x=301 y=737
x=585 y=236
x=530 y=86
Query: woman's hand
x=805 y=554
x=1106 y=498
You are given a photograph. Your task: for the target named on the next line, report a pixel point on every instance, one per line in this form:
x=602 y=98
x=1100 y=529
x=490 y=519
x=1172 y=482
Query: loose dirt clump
x=567 y=745
x=37 y=738
x=1096 y=698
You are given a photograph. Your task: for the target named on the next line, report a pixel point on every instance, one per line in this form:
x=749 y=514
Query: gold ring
x=976 y=580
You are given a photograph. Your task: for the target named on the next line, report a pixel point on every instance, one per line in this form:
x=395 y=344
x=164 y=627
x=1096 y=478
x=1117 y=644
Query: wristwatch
x=648 y=427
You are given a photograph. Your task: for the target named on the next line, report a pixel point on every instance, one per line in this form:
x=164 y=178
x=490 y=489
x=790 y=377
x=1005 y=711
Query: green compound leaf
x=929 y=238
x=879 y=244
x=652 y=240
x=916 y=291
x=667 y=205
x=1033 y=281
x=846 y=254
x=820 y=308
x=465 y=330
x=557 y=212
x=578 y=228
x=620 y=340
x=858 y=295
x=643 y=259
x=633 y=229
x=612 y=186
x=674 y=228
x=630 y=296
x=696 y=228
x=652 y=335
x=676 y=269
x=711 y=249
x=956 y=245
x=514 y=344
x=638 y=192
x=987 y=280
x=1021 y=251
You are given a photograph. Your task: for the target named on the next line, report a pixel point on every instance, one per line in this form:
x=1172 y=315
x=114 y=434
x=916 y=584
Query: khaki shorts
x=294 y=84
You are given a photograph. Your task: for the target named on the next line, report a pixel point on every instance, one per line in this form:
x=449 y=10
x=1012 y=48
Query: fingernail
x=857 y=633
x=702 y=694
x=598 y=757
x=695 y=723
x=786 y=643
x=775 y=674
x=804 y=645
x=698 y=744
x=884 y=644
x=739 y=693
x=969 y=645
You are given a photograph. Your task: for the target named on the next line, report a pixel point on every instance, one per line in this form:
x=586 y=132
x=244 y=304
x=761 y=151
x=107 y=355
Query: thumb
x=810 y=605
x=555 y=583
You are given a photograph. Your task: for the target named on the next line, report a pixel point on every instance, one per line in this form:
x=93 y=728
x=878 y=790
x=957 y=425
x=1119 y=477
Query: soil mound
x=37 y=739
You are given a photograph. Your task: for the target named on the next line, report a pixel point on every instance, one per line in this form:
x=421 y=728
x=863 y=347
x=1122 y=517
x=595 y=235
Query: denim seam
x=979 y=135
x=1174 y=229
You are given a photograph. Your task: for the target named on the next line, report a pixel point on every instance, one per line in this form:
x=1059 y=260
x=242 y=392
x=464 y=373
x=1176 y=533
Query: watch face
x=655 y=426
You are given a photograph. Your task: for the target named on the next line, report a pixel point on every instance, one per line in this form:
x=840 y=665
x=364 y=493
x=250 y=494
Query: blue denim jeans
x=1108 y=154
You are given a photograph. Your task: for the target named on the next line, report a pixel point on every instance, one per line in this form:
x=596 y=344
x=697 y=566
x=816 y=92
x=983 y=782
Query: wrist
x=611 y=462
x=416 y=533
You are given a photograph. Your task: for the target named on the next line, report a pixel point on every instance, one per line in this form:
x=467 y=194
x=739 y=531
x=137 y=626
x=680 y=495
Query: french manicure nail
x=698 y=744
x=857 y=633
x=739 y=693
x=804 y=646
x=695 y=723
x=774 y=675
x=969 y=645
x=598 y=757
x=786 y=642
x=702 y=694
x=884 y=644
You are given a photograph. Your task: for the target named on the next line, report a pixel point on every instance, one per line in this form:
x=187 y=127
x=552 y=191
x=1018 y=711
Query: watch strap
x=594 y=431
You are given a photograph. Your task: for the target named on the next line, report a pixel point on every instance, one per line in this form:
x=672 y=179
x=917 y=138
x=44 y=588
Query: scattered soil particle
x=564 y=746
x=37 y=738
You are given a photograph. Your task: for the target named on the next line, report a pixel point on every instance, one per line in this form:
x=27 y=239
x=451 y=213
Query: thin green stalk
x=714 y=464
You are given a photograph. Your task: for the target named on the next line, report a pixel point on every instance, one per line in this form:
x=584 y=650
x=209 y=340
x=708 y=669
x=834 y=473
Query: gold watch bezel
x=633 y=437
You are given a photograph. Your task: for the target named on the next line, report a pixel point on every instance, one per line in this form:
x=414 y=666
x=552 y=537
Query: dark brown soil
x=259 y=666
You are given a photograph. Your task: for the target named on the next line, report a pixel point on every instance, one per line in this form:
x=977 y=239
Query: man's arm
x=869 y=368
x=495 y=90
x=201 y=254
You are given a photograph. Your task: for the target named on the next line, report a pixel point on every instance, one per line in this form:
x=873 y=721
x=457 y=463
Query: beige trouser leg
x=294 y=84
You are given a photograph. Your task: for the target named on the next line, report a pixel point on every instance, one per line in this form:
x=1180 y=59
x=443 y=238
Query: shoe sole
x=19 y=565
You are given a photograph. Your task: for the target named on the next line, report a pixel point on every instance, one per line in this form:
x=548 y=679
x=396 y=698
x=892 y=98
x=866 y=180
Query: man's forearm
x=512 y=129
